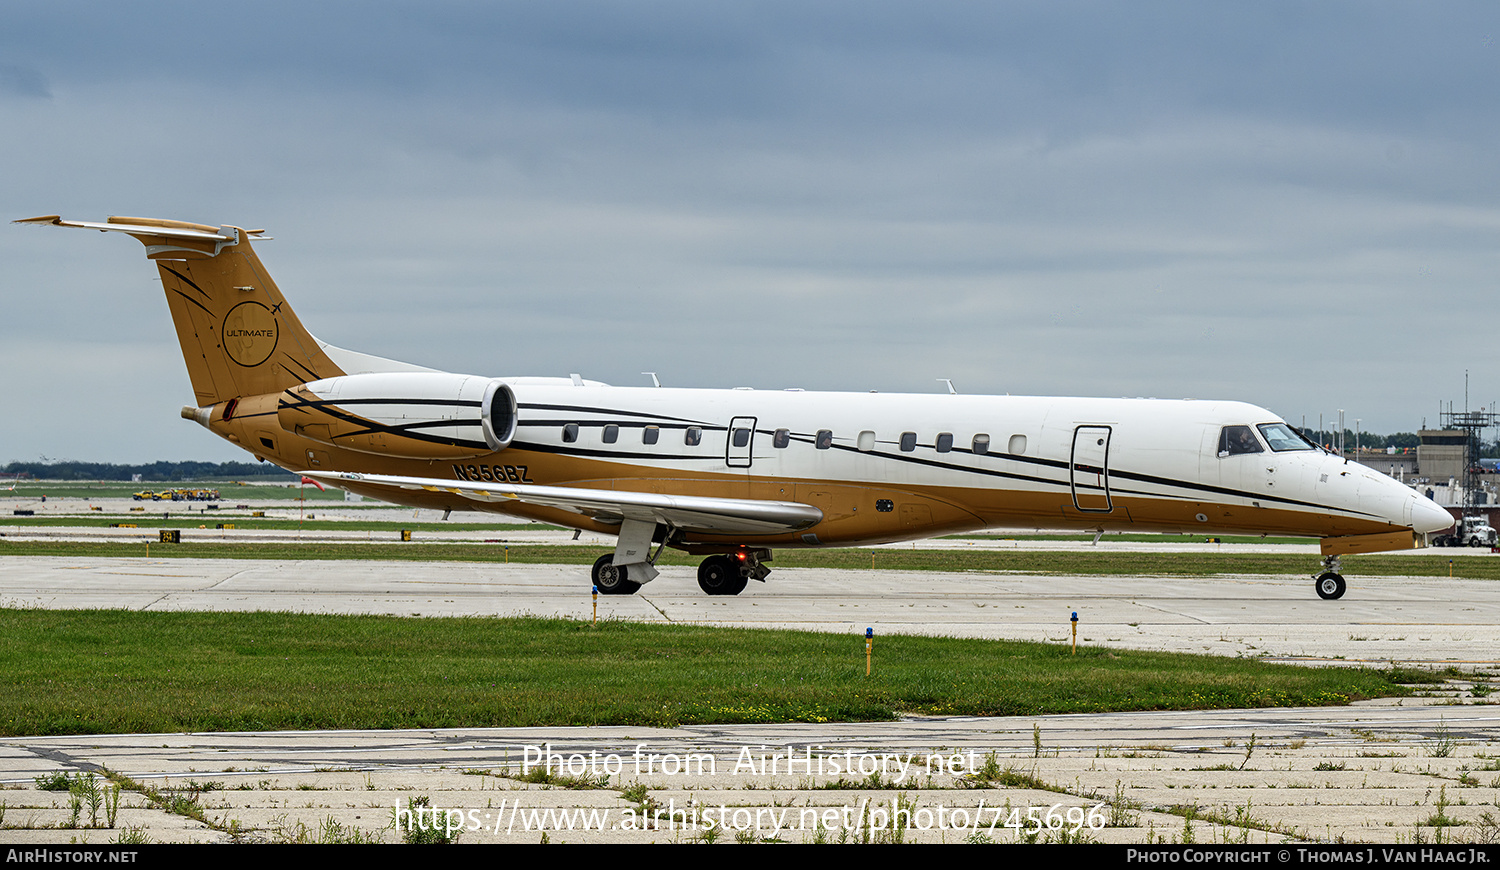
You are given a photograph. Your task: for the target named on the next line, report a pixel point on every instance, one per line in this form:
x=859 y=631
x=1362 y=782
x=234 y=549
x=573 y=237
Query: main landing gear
x=726 y=574
x=612 y=579
x=729 y=574
x=632 y=563
x=1330 y=583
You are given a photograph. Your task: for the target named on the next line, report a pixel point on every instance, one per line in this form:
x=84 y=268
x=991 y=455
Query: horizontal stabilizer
x=149 y=227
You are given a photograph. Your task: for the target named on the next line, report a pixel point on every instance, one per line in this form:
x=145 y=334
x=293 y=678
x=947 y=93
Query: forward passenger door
x=1089 y=469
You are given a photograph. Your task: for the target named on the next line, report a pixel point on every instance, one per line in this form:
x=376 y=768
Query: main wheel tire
x=612 y=579
x=713 y=575
x=1330 y=586
x=721 y=575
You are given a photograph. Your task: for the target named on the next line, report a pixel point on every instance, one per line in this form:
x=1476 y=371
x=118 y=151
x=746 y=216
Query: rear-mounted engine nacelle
x=415 y=415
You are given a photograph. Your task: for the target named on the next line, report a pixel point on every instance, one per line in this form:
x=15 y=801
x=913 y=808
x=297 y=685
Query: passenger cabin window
x=650 y=434
x=570 y=433
x=981 y=445
x=866 y=441
x=908 y=442
x=782 y=438
x=1017 y=445
x=1282 y=437
x=945 y=442
x=693 y=437
x=741 y=437
x=824 y=439
x=611 y=434
x=1234 y=440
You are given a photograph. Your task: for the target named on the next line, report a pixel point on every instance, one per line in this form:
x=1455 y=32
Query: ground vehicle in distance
x=1471 y=531
x=177 y=495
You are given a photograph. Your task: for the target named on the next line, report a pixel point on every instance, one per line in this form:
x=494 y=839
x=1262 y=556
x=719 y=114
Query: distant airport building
x=1442 y=454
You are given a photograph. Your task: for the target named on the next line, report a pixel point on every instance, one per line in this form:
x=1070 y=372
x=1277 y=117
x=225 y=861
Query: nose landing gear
x=1330 y=583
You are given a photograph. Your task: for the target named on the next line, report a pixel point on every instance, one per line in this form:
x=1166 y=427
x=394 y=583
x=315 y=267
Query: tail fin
x=238 y=335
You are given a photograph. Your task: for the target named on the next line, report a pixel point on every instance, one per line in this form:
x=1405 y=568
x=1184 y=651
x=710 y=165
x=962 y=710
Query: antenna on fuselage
x=655 y=381
x=949 y=382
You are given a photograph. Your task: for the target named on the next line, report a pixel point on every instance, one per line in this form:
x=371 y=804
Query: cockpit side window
x=1234 y=440
x=1282 y=437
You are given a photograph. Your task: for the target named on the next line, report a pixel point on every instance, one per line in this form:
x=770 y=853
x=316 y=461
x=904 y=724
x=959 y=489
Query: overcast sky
x=1291 y=204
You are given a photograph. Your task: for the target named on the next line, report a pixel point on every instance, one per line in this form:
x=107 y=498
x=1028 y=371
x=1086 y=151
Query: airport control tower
x=1471 y=423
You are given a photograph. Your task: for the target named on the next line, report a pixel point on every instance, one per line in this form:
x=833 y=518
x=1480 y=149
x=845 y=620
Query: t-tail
x=238 y=335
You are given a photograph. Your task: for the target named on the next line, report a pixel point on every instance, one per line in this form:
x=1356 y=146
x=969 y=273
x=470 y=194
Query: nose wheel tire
x=612 y=579
x=721 y=575
x=1330 y=586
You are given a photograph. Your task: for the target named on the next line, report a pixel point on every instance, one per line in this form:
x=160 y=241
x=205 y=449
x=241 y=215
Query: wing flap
x=690 y=512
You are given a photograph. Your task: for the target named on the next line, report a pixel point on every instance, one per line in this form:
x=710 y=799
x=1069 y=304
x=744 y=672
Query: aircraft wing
x=690 y=512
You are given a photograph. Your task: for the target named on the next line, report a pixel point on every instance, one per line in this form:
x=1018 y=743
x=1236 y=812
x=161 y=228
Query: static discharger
x=869 y=646
x=1075 y=632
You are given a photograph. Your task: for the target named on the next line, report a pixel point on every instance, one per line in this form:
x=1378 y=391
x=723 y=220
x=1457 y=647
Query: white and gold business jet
x=733 y=474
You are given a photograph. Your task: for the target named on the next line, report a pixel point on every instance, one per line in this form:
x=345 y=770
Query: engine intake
x=413 y=415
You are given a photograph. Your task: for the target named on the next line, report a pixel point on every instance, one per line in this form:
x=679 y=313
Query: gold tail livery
x=732 y=475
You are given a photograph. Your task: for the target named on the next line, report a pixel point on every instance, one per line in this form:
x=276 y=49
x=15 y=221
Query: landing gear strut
x=1330 y=583
x=729 y=574
x=631 y=564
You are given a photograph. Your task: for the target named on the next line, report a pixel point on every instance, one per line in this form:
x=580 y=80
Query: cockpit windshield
x=1282 y=437
x=1234 y=440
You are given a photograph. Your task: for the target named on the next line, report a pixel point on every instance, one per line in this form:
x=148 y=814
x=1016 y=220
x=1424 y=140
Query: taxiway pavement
x=1377 y=772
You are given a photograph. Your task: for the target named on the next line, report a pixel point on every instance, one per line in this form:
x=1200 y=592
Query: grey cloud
x=19 y=81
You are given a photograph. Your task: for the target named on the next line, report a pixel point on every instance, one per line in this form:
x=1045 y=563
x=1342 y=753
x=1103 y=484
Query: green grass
x=229 y=491
x=122 y=671
x=189 y=515
x=181 y=519
x=1013 y=561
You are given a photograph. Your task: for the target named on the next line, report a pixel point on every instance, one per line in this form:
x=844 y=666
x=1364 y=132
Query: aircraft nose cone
x=1428 y=516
